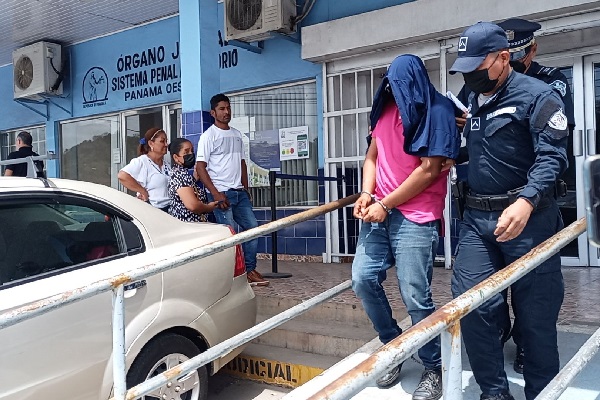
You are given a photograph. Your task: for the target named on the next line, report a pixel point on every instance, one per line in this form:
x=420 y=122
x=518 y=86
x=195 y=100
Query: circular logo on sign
x=95 y=85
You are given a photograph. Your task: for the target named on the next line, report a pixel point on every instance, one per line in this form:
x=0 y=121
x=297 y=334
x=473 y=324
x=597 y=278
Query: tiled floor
x=580 y=307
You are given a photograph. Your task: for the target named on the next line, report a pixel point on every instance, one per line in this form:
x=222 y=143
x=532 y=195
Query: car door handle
x=135 y=285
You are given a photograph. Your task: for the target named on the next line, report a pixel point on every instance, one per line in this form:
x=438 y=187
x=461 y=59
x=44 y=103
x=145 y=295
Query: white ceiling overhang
x=422 y=21
x=72 y=21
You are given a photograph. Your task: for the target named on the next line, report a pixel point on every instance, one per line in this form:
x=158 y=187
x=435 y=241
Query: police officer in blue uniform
x=523 y=49
x=516 y=137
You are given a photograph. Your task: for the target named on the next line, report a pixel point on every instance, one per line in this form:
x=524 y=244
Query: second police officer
x=523 y=49
x=516 y=137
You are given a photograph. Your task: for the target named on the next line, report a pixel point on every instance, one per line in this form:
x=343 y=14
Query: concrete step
x=331 y=338
x=349 y=314
x=276 y=365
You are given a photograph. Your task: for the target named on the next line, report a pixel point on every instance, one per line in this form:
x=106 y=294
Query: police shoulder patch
x=558 y=121
x=560 y=87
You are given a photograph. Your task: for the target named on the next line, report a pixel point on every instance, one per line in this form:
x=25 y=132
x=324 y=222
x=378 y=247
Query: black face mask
x=188 y=161
x=518 y=66
x=479 y=81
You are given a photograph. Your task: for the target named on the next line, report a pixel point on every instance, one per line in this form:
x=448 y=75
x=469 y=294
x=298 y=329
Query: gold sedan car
x=57 y=235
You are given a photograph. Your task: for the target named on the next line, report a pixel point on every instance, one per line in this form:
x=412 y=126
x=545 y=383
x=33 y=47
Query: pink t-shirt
x=394 y=166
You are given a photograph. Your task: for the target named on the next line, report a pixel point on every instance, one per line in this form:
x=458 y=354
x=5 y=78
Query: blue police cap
x=475 y=43
x=520 y=36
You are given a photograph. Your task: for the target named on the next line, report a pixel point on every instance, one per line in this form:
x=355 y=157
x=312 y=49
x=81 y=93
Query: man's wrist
x=527 y=201
x=371 y=195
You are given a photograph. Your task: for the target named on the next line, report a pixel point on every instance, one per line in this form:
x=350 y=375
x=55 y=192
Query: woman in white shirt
x=148 y=174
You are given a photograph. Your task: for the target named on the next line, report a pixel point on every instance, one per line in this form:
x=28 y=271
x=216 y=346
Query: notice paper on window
x=293 y=143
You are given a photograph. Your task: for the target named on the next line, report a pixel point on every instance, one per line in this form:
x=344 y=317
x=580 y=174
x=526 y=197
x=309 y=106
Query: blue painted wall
x=147 y=53
x=141 y=67
x=327 y=10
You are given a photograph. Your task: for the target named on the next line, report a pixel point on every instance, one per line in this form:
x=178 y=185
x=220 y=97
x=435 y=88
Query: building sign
x=228 y=58
x=149 y=73
x=135 y=68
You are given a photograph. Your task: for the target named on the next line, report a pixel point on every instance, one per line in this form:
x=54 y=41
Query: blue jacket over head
x=427 y=116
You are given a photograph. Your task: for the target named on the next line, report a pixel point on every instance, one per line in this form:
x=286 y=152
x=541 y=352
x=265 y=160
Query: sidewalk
x=581 y=305
x=578 y=319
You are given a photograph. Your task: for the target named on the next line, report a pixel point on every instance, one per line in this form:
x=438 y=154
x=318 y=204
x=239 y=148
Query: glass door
x=136 y=124
x=583 y=73
x=88 y=150
x=590 y=145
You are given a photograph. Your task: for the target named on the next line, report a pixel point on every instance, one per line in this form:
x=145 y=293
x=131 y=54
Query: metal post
x=272 y=179
x=451 y=362
x=274 y=274
x=448 y=201
x=118 y=322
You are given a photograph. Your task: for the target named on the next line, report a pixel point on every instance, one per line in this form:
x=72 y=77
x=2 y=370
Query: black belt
x=237 y=190
x=497 y=202
x=488 y=203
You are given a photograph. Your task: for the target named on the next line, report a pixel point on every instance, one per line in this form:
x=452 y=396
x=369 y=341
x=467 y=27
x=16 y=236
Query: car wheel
x=161 y=354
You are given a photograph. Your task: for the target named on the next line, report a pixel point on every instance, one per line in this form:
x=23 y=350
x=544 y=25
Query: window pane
x=60 y=236
x=349 y=135
x=363 y=132
x=335 y=136
x=365 y=92
x=334 y=102
x=86 y=149
x=348 y=91
x=260 y=115
x=378 y=75
x=8 y=140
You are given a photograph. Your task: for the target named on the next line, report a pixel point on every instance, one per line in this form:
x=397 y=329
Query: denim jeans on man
x=240 y=211
x=411 y=247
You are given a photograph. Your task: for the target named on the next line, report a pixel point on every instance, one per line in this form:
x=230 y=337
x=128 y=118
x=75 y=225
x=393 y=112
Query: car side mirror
x=591 y=184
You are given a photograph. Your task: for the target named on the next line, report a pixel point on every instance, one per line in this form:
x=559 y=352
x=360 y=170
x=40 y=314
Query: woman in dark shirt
x=187 y=202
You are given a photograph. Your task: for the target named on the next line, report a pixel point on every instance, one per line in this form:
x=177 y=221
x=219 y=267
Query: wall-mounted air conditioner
x=36 y=70
x=252 y=20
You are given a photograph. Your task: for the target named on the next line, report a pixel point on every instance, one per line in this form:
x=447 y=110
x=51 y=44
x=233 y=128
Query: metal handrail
x=92 y=288
x=566 y=375
x=30 y=160
x=230 y=344
x=116 y=284
x=444 y=321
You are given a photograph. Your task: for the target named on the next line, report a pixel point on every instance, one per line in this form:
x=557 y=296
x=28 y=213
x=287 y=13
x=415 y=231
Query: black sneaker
x=390 y=378
x=430 y=387
x=518 y=364
x=501 y=396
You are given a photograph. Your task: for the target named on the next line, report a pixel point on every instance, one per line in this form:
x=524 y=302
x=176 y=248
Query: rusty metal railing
x=446 y=322
x=116 y=285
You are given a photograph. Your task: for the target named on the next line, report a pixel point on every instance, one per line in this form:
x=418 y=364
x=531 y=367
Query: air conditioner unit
x=252 y=20
x=36 y=70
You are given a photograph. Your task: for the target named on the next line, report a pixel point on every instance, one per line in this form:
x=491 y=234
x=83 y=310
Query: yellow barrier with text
x=270 y=371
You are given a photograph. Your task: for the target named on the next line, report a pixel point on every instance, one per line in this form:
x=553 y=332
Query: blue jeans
x=240 y=211
x=411 y=246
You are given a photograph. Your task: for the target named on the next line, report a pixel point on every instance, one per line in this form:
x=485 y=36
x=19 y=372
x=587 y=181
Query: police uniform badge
x=558 y=121
x=560 y=86
x=510 y=35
